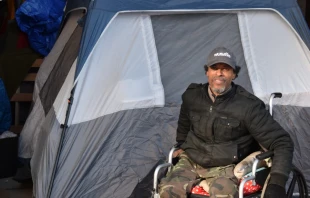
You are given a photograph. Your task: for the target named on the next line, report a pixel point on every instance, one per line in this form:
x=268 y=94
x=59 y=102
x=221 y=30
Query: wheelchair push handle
x=171 y=154
x=277 y=95
x=272 y=96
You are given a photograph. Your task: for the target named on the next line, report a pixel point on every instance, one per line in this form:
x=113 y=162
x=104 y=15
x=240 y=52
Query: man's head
x=221 y=69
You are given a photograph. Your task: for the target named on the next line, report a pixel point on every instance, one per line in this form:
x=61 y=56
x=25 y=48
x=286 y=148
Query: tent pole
x=60 y=145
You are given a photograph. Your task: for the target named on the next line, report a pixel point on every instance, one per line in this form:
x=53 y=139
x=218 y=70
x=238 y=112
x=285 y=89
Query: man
x=219 y=125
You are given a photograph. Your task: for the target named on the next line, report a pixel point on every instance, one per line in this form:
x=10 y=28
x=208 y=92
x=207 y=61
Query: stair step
x=37 y=62
x=16 y=128
x=30 y=77
x=22 y=97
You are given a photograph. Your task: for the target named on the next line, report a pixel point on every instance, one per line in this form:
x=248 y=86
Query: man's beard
x=218 y=90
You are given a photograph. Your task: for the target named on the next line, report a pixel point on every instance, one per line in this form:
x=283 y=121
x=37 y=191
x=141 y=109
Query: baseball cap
x=221 y=55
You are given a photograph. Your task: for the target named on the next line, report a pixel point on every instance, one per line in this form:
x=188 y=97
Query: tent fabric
x=294 y=16
x=50 y=60
x=59 y=105
x=101 y=12
x=135 y=63
x=74 y=5
x=60 y=70
x=176 y=39
x=62 y=55
x=295 y=120
x=91 y=175
x=284 y=56
x=115 y=135
x=49 y=136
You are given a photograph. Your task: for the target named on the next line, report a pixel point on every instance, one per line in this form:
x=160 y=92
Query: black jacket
x=226 y=131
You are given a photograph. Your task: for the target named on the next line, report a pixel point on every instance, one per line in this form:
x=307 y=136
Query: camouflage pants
x=186 y=174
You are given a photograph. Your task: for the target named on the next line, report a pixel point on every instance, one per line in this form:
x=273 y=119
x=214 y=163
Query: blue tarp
x=41 y=21
x=5 y=109
x=100 y=13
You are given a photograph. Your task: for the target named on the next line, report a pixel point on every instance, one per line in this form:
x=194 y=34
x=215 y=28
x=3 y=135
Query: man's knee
x=223 y=187
x=172 y=191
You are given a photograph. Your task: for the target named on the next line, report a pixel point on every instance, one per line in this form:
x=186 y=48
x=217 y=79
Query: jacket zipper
x=210 y=110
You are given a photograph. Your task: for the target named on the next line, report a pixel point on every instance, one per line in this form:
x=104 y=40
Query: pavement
x=12 y=189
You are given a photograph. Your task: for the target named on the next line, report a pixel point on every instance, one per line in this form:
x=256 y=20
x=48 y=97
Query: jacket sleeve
x=272 y=136
x=183 y=125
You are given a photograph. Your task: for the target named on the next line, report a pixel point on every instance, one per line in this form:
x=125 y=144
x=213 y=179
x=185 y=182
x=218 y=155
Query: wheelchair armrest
x=264 y=155
x=252 y=177
x=155 y=184
x=169 y=164
x=258 y=158
x=241 y=185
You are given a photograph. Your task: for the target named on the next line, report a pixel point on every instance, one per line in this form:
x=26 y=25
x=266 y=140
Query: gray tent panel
x=183 y=43
x=296 y=121
x=45 y=153
x=105 y=157
x=60 y=71
x=31 y=129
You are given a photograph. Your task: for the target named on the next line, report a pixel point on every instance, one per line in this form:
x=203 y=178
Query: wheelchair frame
x=297 y=175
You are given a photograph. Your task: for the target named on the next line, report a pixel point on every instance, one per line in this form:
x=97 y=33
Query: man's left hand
x=274 y=191
x=177 y=153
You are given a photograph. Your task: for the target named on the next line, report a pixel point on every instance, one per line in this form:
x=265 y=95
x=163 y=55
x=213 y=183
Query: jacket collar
x=224 y=96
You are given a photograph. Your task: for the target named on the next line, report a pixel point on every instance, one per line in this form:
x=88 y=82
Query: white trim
x=152 y=58
x=272 y=65
x=249 y=55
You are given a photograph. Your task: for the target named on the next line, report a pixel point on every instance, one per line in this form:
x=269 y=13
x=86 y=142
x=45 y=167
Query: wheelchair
x=257 y=176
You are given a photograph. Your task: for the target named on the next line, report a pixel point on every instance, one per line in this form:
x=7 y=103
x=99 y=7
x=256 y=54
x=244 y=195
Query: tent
x=55 y=66
x=135 y=61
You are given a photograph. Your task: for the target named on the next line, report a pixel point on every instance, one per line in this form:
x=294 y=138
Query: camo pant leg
x=221 y=180
x=177 y=181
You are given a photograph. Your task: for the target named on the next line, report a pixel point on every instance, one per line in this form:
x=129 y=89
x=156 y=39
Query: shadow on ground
x=12 y=189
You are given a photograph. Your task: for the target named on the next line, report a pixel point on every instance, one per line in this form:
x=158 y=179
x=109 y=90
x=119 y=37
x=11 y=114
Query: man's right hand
x=177 y=153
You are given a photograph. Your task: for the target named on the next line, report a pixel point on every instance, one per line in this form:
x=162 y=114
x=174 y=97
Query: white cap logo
x=222 y=54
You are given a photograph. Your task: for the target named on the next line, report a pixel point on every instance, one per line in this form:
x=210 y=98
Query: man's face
x=220 y=76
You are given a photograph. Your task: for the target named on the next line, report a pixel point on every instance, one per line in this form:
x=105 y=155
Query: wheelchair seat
x=251 y=184
x=248 y=189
